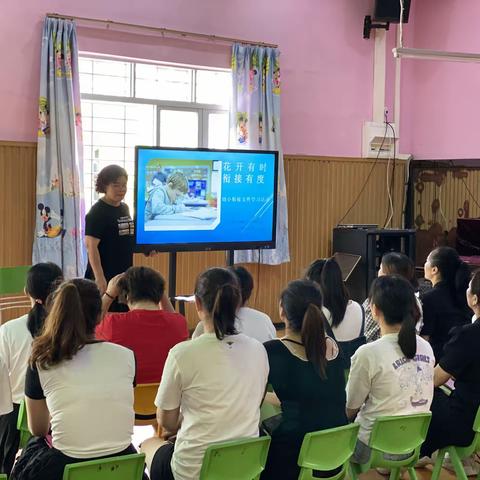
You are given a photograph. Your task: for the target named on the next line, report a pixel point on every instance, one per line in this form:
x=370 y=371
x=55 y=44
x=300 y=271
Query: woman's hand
x=112 y=288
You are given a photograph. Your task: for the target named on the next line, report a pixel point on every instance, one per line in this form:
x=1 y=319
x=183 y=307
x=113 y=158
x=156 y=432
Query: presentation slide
x=188 y=199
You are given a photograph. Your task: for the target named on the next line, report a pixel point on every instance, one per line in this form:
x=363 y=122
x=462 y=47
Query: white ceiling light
x=418 y=53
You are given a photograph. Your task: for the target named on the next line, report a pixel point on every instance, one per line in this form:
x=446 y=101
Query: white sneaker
x=470 y=465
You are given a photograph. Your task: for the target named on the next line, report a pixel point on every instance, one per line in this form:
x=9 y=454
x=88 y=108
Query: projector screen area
x=200 y=199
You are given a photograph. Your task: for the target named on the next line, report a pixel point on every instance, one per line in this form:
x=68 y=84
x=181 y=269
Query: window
x=130 y=103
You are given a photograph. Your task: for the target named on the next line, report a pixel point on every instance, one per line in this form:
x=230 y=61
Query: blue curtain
x=255 y=124
x=59 y=203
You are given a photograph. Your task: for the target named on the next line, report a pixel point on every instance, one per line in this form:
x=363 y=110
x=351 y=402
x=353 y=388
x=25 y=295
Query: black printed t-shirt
x=114 y=227
x=462 y=360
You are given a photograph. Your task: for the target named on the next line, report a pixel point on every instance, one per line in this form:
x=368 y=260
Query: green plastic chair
x=267 y=410
x=397 y=435
x=12 y=279
x=22 y=425
x=236 y=460
x=457 y=454
x=3 y=476
x=126 y=467
x=328 y=450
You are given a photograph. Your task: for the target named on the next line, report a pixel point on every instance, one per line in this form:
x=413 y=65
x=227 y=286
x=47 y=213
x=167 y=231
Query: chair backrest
x=328 y=449
x=127 y=467
x=12 y=279
x=3 y=476
x=22 y=424
x=399 y=434
x=235 y=460
x=144 y=397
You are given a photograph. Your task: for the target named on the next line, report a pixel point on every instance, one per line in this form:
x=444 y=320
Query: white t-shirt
x=15 y=349
x=351 y=325
x=251 y=322
x=219 y=386
x=383 y=381
x=90 y=400
x=5 y=395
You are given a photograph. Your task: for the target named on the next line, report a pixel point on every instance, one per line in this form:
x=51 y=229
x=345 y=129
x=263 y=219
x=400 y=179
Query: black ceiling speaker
x=389 y=11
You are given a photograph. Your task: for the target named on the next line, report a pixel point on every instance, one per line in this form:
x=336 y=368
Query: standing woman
x=445 y=306
x=77 y=387
x=109 y=229
x=15 y=347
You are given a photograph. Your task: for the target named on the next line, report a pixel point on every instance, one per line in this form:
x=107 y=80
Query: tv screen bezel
x=212 y=246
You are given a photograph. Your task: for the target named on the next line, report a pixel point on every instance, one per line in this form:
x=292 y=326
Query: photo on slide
x=182 y=196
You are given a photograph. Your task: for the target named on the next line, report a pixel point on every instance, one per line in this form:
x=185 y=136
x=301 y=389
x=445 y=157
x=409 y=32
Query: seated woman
x=15 y=348
x=393 y=375
x=217 y=381
x=445 y=306
x=151 y=327
x=393 y=263
x=249 y=321
x=164 y=199
x=345 y=316
x=453 y=415
x=78 y=387
x=6 y=405
x=307 y=376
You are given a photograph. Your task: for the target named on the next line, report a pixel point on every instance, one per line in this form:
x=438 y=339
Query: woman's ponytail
x=407 y=337
x=224 y=310
x=69 y=325
x=313 y=338
x=219 y=292
x=42 y=279
x=394 y=296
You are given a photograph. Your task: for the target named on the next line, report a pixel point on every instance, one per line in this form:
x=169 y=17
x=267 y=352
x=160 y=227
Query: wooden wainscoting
x=17 y=202
x=319 y=190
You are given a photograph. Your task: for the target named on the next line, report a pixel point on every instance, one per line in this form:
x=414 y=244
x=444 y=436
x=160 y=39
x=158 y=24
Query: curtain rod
x=163 y=31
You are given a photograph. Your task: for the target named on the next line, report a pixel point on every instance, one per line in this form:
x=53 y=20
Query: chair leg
x=457 y=464
x=394 y=474
x=412 y=473
x=438 y=464
x=353 y=473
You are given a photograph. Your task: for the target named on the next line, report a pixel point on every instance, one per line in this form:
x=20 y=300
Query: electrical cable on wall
x=368 y=176
x=388 y=219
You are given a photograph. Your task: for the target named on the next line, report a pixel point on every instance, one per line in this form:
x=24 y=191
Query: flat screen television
x=201 y=199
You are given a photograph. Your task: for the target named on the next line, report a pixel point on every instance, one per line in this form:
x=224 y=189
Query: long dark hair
x=335 y=293
x=453 y=271
x=70 y=323
x=394 y=296
x=302 y=303
x=219 y=292
x=42 y=279
x=400 y=264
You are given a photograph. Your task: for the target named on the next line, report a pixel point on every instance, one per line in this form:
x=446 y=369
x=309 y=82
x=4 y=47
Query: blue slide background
x=246 y=208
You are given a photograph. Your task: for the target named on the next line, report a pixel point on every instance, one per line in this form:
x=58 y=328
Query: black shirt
x=309 y=403
x=114 y=227
x=462 y=360
x=440 y=315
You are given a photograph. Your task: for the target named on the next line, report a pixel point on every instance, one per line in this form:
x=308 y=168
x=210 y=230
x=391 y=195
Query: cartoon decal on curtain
x=59 y=204
x=255 y=124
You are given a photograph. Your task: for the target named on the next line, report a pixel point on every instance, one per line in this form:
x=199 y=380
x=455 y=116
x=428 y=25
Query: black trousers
x=9 y=439
x=451 y=424
x=41 y=462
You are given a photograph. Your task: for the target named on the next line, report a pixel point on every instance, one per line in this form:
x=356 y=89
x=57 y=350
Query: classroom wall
x=326 y=65
x=444 y=97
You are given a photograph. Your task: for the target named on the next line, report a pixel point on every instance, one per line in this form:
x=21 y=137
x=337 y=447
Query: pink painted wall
x=327 y=68
x=444 y=97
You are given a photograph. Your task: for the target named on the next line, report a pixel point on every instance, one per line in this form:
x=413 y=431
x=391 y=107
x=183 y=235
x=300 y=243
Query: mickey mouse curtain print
x=255 y=125
x=59 y=202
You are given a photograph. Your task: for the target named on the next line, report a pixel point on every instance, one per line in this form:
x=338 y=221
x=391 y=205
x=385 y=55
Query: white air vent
x=376 y=139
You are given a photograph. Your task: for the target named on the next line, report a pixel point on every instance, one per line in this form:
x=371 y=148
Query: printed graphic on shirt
x=415 y=376
x=125 y=226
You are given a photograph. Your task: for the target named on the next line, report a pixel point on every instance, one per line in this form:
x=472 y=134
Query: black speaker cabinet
x=371 y=244
x=389 y=11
